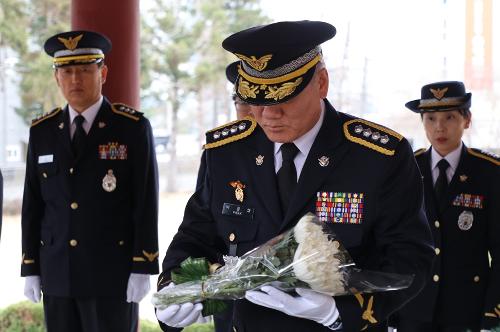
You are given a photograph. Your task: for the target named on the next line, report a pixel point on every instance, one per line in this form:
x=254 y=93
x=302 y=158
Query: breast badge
x=469 y=201
x=465 y=220
x=238 y=189
x=109 y=181
x=112 y=151
x=339 y=207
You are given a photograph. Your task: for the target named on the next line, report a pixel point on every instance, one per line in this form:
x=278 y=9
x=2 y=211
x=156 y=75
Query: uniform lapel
x=314 y=173
x=63 y=131
x=262 y=171
x=425 y=169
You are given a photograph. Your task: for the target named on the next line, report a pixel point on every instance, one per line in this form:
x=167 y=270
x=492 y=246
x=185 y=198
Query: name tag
x=234 y=210
x=48 y=158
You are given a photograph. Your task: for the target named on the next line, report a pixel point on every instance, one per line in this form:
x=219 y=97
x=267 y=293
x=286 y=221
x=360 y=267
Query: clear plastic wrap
x=307 y=256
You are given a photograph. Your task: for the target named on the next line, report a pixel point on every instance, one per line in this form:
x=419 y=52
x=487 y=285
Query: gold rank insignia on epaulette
x=419 y=152
x=146 y=257
x=368 y=310
x=372 y=136
x=127 y=111
x=495 y=159
x=230 y=132
x=45 y=116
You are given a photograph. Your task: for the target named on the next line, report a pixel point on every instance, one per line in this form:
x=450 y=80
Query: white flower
x=315 y=259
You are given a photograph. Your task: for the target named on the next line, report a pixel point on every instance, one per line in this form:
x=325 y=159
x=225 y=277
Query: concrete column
x=119 y=20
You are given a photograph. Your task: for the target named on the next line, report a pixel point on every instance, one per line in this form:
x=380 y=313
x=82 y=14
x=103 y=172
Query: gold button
x=438 y=251
x=73 y=243
x=435 y=278
x=121 y=243
x=71 y=170
x=436 y=223
x=476 y=279
x=44 y=175
x=74 y=205
x=232 y=237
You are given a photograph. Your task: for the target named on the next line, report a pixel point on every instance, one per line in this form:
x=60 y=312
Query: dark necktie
x=442 y=181
x=287 y=175
x=78 y=142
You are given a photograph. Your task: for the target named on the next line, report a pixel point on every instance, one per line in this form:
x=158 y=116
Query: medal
x=465 y=220
x=238 y=190
x=109 y=181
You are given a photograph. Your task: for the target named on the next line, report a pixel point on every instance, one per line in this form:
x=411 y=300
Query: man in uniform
x=300 y=155
x=89 y=217
x=462 y=196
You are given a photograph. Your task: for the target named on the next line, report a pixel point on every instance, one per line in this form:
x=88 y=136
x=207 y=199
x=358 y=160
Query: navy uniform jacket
x=390 y=233
x=81 y=239
x=463 y=288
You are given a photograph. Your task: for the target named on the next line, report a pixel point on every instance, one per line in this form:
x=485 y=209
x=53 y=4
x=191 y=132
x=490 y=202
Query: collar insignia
x=324 y=161
x=463 y=178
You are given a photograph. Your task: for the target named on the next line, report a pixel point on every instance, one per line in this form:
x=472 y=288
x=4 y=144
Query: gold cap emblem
x=258 y=64
x=70 y=43
x=438 y=93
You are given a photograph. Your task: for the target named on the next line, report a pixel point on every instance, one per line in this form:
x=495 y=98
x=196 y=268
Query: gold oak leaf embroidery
x=246 y=90
x=284 y=90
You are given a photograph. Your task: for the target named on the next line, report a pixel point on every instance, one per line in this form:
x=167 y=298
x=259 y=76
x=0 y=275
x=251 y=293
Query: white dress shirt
x=89 y=114
x=303 y=143
x=452 y=158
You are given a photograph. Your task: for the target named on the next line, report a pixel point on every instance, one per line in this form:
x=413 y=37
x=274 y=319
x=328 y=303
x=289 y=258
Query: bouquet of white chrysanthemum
x=307 y=256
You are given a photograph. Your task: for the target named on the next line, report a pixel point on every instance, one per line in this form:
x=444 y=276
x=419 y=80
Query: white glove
x=182 y=315
x=138 y=287
x=311 y=305
x=32 y=289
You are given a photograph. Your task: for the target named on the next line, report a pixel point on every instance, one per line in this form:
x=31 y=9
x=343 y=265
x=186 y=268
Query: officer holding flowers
x=297 y=154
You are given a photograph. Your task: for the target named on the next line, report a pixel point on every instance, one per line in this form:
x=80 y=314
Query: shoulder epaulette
x=230 y=132
x=126 y=111
x=419 y=152
x=372 y=136
x=491 y=157
x=45 y=116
